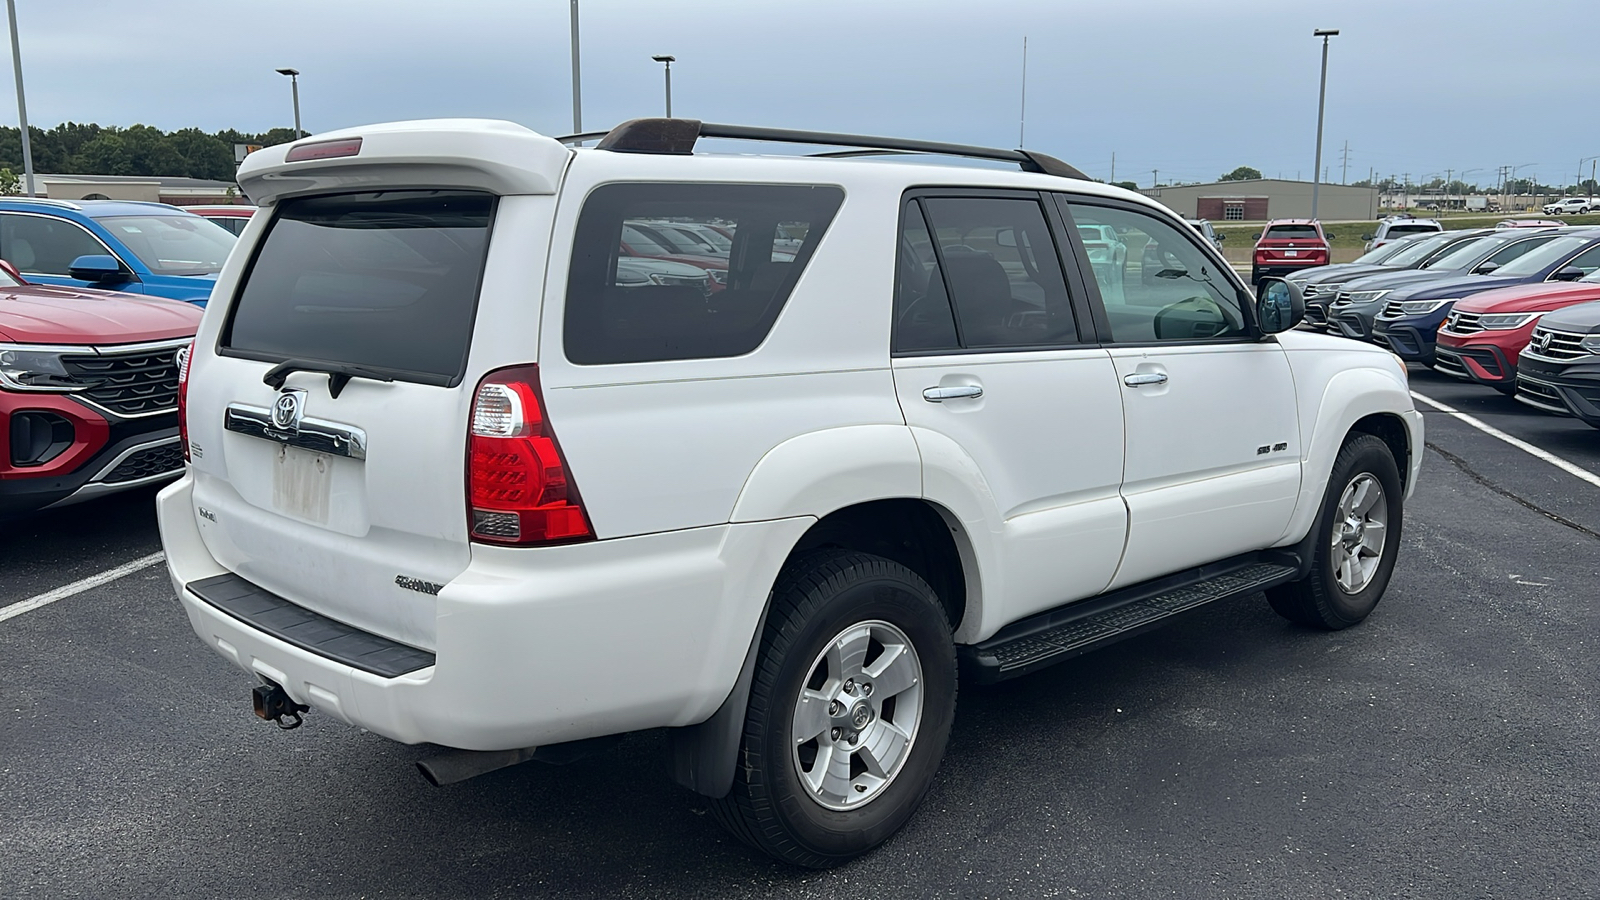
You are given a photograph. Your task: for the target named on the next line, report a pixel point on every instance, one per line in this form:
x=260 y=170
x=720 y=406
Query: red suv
x=1484 y=335
x=88 y=391
x=1288 y=245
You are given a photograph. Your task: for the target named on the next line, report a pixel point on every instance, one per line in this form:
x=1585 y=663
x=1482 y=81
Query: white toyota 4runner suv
x=510 y=447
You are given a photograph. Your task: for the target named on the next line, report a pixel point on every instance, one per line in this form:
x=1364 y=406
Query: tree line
x=72 y=148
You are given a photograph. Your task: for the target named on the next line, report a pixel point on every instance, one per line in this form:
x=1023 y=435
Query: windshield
x=1422 y=249
x=174 y=245
x=1534 y=260
x=1381 y=254
x=1466 y=253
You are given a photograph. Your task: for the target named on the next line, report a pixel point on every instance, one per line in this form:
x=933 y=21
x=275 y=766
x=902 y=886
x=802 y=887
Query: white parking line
x=79 y=586
x=1524 y=446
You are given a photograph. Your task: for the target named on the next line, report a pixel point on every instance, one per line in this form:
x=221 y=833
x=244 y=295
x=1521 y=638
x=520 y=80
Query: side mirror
x=1486 y=268
x=1006 y=237
x=1279 y=305
x=97 y=268
x=1256 y=236
x=1221 y=237
x=1569 y=273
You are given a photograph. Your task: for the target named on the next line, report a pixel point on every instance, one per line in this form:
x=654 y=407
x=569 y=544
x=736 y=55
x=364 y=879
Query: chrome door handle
x=1143 y=378
x=960 y=392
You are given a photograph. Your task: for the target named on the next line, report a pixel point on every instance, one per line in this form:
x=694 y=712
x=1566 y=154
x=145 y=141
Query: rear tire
x=1357 y=536
x=850 y=710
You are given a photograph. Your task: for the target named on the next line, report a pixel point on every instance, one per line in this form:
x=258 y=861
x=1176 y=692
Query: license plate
x=1291 y=253
x=302 y=481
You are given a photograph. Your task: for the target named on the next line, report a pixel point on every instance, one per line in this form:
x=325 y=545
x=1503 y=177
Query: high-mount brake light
x=519 y=490
x=184 y=354
x=325 y=150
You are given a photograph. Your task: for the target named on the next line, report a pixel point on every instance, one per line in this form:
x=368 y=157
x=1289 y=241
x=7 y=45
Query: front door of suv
x=1212 y=463
x=1016 y=415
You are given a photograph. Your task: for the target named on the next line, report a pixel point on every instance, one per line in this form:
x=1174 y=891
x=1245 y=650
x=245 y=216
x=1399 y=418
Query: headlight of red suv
x=36 y=367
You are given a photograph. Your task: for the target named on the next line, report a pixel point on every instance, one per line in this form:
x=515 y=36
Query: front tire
x=1357 y=539
x=850 y=710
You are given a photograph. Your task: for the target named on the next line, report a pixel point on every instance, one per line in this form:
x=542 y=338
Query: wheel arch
x=923 y=536
x=1367 y=400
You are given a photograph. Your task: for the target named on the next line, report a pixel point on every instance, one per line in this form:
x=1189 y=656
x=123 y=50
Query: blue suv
x=135 y=247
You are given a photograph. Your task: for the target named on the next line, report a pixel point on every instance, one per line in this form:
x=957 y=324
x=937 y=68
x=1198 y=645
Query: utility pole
x=1322 y=94
x=1155 y=180
x=22 y=104
x=1113 y=165
x=1022 y=118
x=1344 y=167
x=577 y=91
x=1447 y=173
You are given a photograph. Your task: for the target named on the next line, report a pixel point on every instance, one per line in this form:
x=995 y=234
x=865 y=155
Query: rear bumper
x=534 y=646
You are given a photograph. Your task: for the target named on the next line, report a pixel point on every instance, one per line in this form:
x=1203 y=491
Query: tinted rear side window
x=1297 y=232
x=634 y=295
x=386 y=280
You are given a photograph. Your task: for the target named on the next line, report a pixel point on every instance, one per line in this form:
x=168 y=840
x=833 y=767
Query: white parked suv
x=456 y=476
x=1571 y=205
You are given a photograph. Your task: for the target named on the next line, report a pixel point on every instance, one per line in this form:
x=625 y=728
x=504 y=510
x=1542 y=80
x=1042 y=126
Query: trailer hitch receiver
x=273 y=704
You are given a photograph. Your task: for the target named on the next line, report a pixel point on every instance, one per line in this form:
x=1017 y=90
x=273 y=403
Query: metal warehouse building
x=1260 y=199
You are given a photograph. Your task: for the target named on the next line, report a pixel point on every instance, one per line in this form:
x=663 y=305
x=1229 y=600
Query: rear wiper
x=339 y=374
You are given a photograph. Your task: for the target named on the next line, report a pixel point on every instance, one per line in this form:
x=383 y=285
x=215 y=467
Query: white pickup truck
x=459 y=473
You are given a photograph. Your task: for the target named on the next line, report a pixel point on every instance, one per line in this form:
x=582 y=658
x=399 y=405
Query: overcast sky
x=1191 y=88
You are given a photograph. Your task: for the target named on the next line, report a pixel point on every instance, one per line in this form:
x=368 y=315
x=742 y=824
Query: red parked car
x=1288 y=245
x=1484 y=334
x=88 y=391
x=233 y=218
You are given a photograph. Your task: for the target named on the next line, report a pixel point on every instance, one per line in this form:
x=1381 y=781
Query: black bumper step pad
x=1004 y=657
x=307 y=630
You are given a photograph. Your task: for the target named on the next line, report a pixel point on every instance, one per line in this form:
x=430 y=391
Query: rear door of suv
x=991 y=365
x=327 y=421
x=1213 y=442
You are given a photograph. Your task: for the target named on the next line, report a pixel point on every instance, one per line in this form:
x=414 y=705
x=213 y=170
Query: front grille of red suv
x=128 y=383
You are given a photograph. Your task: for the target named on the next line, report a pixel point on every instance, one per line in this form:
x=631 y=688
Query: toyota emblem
x=288 y=409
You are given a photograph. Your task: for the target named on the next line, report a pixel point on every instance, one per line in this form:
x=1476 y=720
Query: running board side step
x=1068 y=631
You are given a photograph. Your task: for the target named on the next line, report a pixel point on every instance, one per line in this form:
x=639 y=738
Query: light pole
x=1322 y=93
x=667 y=61
x=294 y=85
x=22 y=104
x=577 y=104
x=1591 y=161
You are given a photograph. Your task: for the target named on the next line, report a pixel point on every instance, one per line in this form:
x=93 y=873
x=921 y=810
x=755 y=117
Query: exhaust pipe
x=459 y=765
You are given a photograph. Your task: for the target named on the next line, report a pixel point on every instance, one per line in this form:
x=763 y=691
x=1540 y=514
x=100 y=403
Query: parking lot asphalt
x=1448 y=747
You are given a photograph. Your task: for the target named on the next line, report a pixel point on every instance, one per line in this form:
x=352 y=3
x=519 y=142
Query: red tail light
x=183 y=397
x=518 y=487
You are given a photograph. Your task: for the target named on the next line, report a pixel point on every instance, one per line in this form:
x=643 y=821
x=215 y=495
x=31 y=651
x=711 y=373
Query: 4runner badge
x=288 y=410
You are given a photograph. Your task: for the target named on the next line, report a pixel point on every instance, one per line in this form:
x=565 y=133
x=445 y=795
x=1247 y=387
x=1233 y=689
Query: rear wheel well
x=910 y=532
x=1392 y=431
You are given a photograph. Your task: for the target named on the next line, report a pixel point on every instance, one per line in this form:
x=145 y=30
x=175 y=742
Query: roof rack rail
x=47 y=201
x=678 y=136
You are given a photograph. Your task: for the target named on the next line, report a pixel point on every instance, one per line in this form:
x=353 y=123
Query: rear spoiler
x=472 y=154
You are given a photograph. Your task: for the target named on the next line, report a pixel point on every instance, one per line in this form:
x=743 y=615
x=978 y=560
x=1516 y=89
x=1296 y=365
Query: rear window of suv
x=1397 y=230
x=632 y=298
x=385 y=280
x=1296 y=232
